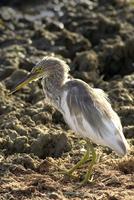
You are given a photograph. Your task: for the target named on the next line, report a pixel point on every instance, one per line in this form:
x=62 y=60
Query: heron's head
x=46 y=67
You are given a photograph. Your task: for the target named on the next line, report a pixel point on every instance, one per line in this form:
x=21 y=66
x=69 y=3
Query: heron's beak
x=28 y=79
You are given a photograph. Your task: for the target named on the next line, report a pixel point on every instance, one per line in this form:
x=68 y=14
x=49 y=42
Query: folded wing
x=88 y=112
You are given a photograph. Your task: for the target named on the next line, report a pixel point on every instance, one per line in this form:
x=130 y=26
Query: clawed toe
x=66 y=173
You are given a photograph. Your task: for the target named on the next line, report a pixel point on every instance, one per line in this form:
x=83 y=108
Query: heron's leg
x=83 y=160
x=90 y=168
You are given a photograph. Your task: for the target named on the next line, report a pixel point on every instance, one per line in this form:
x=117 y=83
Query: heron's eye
x=39 y=69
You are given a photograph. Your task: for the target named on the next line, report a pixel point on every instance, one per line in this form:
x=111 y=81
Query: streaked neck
x=53 y=83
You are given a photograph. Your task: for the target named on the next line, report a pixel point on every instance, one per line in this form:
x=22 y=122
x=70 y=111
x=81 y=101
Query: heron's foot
x=66 y=172
x=85 y=158
x=89 y=175
x=80 y=163
x=85 y=182
x=88 y=178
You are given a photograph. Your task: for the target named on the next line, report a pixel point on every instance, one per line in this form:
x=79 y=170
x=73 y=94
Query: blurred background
x=96 y=39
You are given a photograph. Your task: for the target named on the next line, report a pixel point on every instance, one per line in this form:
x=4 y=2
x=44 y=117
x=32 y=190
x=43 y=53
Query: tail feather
x=117 y=140
x=123 y=148
x=120 y=145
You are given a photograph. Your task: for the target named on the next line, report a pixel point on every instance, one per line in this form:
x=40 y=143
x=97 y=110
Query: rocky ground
x=96 y=39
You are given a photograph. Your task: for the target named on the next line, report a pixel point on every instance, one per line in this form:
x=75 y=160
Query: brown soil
x=96 y=40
